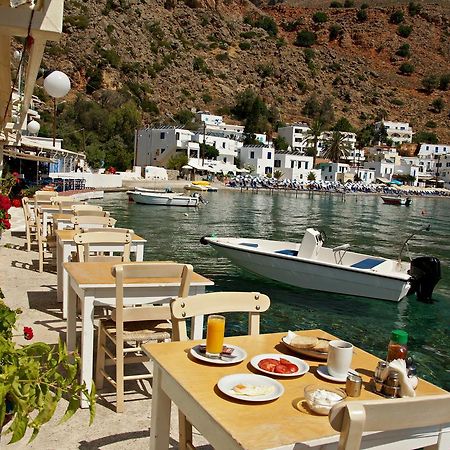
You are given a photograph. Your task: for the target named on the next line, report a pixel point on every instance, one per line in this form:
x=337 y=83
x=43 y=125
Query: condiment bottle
x=397 y=348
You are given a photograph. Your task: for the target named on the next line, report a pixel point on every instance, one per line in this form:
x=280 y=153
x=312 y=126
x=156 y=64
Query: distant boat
x=148 y=197
x=196 y=187
x=393 y=200
x=312 y=266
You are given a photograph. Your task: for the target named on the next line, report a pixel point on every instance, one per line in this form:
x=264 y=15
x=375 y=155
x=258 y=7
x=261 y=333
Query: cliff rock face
x=181 y=54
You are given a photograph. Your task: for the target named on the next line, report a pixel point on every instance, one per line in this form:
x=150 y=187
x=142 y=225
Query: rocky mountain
x=370 y=60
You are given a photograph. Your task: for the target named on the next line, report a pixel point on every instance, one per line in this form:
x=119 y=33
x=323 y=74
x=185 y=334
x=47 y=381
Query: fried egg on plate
x=252 y=390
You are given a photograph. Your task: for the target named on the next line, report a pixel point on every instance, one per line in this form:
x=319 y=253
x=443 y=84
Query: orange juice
x=214 y=334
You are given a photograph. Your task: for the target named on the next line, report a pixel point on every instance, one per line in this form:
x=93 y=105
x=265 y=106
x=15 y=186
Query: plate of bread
x=311 y=346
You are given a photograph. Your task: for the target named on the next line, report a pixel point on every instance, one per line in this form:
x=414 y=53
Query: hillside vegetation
x=367 y=60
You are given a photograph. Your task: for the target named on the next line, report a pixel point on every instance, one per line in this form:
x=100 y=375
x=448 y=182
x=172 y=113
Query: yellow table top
x=267 y=424
x=62 y=216
x=99 y=273
x=68 y=235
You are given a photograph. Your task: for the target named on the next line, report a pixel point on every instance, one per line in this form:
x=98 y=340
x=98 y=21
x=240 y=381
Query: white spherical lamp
x=57 y=84
x=33 y=127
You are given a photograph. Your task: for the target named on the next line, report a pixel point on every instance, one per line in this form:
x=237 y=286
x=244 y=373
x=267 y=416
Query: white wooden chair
x=354 y=418
x=135 y=325
x=92 y=222
x=46 y=244
x=30 y=222
x=212 y=303
x=86 y=239
x=90 y=213
x=65 y=202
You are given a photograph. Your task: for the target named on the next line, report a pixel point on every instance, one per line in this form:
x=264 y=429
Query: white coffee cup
x=340 y=355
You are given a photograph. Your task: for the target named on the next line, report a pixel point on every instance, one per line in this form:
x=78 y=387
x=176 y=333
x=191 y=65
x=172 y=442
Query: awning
x=383 y=180
x=23 y=155
x=27 y=142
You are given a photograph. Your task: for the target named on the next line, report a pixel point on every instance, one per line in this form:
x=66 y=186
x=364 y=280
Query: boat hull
x=396 y=201
x=147 y=198
x=315 y=275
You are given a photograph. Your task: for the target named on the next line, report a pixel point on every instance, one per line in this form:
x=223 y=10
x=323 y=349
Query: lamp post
x=57 y=85
x=33 y=127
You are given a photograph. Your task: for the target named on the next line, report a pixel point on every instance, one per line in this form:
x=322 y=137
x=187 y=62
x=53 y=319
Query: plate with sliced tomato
x=279 y=365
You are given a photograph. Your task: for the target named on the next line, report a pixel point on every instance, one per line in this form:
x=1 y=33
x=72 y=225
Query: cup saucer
x=323 y=372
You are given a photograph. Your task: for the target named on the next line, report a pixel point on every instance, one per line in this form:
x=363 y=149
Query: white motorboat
x=163 y=198
x=196 y=187
x=310 y=265
x=396 y=200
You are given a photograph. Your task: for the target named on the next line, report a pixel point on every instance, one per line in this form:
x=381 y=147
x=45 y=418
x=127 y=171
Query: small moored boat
x=162 y=198
x=395 y=200
x=310 y=265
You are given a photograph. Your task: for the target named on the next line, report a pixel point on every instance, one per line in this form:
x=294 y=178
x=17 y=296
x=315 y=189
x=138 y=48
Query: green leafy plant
x=406 y=69
x=404 y=30
x=34 y=378
x=305 y=38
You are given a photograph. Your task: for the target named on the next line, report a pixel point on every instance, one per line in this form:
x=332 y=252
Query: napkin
x=288 y=338
x=399 y=365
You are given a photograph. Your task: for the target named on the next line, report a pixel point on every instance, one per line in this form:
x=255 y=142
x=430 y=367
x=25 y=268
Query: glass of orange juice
x=215 y=333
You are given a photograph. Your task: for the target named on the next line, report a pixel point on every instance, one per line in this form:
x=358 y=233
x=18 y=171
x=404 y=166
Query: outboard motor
x=425 y=272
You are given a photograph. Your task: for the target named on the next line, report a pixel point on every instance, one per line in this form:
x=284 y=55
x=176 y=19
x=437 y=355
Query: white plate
x=239 y=355
x=302 y=366
x=226 y=384
x=323 y=372
x=305 y=352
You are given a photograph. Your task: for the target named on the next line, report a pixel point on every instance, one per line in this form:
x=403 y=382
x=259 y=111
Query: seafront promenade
x=35 y=294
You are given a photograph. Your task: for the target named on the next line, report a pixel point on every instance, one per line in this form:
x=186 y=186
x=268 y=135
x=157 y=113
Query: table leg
x=87 y=343
x=139 y=252
x=71 y=336
x=44 y=223
x=160 y=419
x=65 y=276
x=59 y=270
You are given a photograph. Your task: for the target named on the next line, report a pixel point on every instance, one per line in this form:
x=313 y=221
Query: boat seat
x=288 y=252
x=249 y=244
x=368 y=263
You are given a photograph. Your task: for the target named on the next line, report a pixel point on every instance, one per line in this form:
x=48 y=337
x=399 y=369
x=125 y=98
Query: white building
x=259 y=157
x=367 y=176
x=331 y=171
x=443 y=170
x=434 y=149
x=296 y=135
x=383 y=169
x=294 y=165
x=349 y=139
x=398 y=132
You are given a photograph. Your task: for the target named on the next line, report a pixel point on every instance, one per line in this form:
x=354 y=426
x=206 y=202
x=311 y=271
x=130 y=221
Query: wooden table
x=232 y=424
x=93 y=283
x=47 y=211
x=66 y=245
x=63 y=221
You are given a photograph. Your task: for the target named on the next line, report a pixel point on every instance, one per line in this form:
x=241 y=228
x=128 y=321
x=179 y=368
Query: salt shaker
x=377 y=377
x=391 y=387
x=353 y=385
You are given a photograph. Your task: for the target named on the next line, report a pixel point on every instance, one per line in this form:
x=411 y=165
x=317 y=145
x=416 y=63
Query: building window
x=277 y=163
x=269 y=155
x=163 y=150
x=329 y=169
x=292 y=164
x=225 y=159
x=162 y=135
x=223 y=144
x=177 y=136
x=252 y=155
x=306 y=164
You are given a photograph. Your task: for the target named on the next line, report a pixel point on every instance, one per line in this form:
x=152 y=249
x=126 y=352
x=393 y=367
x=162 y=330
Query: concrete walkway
x=35 y=293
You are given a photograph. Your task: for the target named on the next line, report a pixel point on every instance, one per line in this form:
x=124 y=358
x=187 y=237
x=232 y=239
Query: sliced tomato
x=286 y=362
x=282 y=368
x=268 y=364
x=292 y=368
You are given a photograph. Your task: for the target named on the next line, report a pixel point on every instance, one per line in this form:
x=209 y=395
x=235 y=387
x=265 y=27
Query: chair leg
x=41 y=259
x=100 y=356
x=185 y=432
x=28 y=231
x=119 y=376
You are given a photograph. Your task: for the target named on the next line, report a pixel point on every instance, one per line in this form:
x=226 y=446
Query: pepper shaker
x=391 y=387
x=353 y=385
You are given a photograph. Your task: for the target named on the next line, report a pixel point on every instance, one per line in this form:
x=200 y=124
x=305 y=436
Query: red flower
x=6 y=223
x=16 y=202
x=28 y=333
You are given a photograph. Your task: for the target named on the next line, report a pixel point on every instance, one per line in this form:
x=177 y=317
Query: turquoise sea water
x=364 y=222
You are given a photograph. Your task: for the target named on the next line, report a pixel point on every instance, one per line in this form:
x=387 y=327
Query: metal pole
x=54 y=121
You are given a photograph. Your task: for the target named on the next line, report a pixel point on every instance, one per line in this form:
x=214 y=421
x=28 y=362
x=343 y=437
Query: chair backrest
x=65 y=202
x=164 y=271
x=77 y=208
x=91 y=213
x=86 y=239
x=27 y=211
x=43 y=197
x=353 y=418
x=217 y=302
x=92 y=221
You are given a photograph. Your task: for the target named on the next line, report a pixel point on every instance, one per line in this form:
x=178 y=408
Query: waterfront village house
x=383 y=152
x=294 y=165
x=383 y=169
x=259 y=157
x=296 y=135
x=227 y=148
x=398 y=132
x=349 y=140
x=216 y=124
x=367 y=176
x=409 y=166
x=443 y=170
x=434 y=149
x=333 y=171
